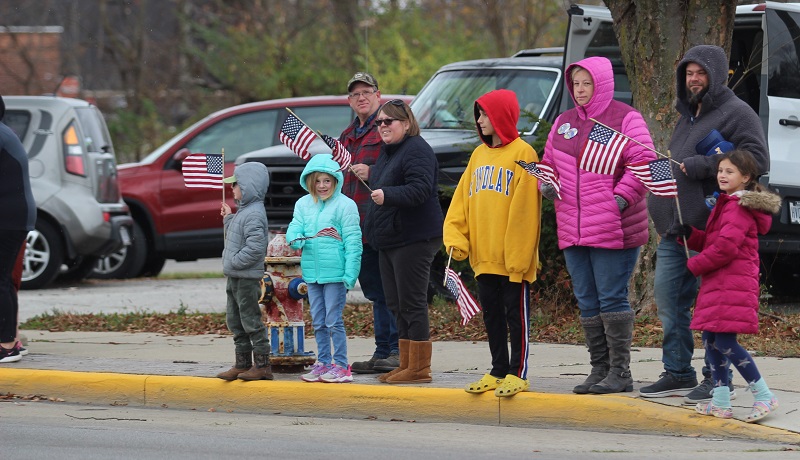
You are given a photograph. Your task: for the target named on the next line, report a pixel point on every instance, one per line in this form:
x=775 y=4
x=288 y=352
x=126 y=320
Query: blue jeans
x=385 y=324
x=675 y=290
x=327 y=305
x=600 y=278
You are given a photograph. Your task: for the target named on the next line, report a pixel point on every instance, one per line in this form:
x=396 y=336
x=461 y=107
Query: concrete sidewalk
x=152 y=370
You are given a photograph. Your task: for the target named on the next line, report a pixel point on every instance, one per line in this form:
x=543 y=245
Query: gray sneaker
x=388 y=364
x=668 y=385
x=702 y=393
x=365 y=367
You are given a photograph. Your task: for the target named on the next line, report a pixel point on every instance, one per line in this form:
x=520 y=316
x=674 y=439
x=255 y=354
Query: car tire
x=153 y=265
x=79 y=269
x=44 y=255
x=125 y=263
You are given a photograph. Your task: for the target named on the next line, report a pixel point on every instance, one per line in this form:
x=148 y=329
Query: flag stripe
x=467 y=306
x=297 y=136
x=602 y=150
x=544 y=172
x=203 y=171
x=656 y=175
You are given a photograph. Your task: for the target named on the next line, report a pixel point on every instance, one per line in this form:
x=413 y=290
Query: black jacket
x=16 y=197
x=408 y=174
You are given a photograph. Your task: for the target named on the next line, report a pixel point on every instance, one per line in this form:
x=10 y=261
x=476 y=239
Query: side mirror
x=178 y=157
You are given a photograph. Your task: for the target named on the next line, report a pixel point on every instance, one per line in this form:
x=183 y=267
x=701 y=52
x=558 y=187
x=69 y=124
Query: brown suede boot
x=419 y=364
x=403 y=345
x=261 y=369
x=243 y=363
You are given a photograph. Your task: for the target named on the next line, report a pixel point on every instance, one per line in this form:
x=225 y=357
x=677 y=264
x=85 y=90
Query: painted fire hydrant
x=283 y=295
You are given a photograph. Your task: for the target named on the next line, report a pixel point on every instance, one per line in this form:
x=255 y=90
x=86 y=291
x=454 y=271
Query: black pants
x=10 y=242
x=506 y=314
x=404 y=273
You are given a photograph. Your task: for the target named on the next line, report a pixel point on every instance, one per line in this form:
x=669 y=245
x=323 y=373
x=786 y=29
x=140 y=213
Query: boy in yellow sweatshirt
x=494 y=219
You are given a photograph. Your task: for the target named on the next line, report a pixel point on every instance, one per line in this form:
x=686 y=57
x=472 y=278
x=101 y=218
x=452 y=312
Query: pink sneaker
x=316 y=371
x=337 y=374
x=710 y=409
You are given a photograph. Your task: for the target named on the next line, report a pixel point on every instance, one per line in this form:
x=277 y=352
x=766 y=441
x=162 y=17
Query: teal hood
x=326 y=164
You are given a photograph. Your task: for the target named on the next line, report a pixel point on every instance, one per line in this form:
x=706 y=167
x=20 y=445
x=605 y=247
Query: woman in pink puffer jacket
x=601 y=214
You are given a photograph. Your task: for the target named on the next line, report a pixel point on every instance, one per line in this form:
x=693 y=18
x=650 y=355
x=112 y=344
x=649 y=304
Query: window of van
x=784 y=60
x=18 y=121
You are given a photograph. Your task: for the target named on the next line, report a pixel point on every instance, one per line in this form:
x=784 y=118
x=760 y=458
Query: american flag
x=602 y=150
x=656 y=175
x=327 y=231
x=297 y=136
x=544 y=172
x=340 y=154
x=467 y=305
x=201 y=170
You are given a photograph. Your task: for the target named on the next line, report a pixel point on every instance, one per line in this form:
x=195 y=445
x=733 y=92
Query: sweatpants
x=506 y=314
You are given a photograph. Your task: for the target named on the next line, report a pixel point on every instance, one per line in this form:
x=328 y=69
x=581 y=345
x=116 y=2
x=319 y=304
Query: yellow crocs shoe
x=511 y=385
x=487 y=383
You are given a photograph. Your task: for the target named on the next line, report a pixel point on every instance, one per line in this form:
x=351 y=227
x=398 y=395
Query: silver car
x=80 y=213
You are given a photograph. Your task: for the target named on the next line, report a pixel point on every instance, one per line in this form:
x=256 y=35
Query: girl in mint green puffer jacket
x=330 y=262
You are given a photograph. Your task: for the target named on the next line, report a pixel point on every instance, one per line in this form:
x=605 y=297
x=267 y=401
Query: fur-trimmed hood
x=761 y=201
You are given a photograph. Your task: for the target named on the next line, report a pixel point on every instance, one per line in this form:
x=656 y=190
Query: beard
x=695 y=99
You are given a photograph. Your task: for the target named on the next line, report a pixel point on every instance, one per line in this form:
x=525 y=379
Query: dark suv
x=80 y=214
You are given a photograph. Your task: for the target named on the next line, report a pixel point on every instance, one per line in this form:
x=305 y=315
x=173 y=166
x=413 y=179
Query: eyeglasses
x=360 y=93
x=385 y=121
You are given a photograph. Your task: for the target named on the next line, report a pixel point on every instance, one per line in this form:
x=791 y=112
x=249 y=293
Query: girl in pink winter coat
x=727 y=304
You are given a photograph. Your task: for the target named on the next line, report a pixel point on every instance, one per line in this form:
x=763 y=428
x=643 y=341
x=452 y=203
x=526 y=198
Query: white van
x=766 y=43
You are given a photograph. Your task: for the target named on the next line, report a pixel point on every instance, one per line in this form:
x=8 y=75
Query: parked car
x=80 y=213
x=175 y=222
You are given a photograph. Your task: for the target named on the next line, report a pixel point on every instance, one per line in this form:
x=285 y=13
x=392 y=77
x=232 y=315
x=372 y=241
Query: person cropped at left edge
x=19 y=207
x=404 y=222
x=243 y=264
x=330 y=263
x=601 y=215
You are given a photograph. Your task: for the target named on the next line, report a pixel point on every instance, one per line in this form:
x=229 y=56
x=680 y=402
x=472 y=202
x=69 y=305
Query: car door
x=590 y=32
x=782 y=46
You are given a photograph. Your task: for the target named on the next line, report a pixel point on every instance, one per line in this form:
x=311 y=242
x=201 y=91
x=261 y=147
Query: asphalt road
x=68 y=431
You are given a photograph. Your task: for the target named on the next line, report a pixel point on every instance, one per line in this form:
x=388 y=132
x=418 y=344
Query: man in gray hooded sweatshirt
x=705 y=103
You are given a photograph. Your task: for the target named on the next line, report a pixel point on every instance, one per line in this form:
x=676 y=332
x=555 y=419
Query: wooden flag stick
x=634 y=140
x=223 y=174
x=680 y=216
x=319 y=134
x=449 y=258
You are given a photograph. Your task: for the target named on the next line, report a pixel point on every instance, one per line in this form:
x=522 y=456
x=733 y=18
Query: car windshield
x=446 y=102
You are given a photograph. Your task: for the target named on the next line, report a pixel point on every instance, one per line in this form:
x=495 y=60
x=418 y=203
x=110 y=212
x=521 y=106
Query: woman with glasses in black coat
x=404 y=222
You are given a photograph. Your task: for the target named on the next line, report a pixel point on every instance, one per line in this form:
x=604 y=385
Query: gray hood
x=715 y=62
x=253 y=180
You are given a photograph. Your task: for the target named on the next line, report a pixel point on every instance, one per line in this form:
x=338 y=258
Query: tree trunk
x=653 y=37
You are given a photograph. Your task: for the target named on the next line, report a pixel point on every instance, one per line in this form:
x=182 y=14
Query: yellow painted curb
x=81 y=387
x=381 y=402
x=323 y=399
x=628 y=415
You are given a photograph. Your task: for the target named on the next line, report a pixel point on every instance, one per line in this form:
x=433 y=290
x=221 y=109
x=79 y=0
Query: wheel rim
x=111 y=263
x=37 y=256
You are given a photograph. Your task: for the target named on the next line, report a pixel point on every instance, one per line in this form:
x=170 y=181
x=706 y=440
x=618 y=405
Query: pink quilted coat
x=728 y=262
x=587 y=213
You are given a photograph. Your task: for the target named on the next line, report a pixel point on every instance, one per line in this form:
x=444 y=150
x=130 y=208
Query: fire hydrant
x=283 y=296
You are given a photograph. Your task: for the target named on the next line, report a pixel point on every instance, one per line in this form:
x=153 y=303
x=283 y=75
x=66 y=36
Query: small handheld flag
x=656 y=175
x=340 y=154
x=467 y=305
x=297 y=136
x=544 y=172
x=602 y=150
x=327 y=231
x=202 y=170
